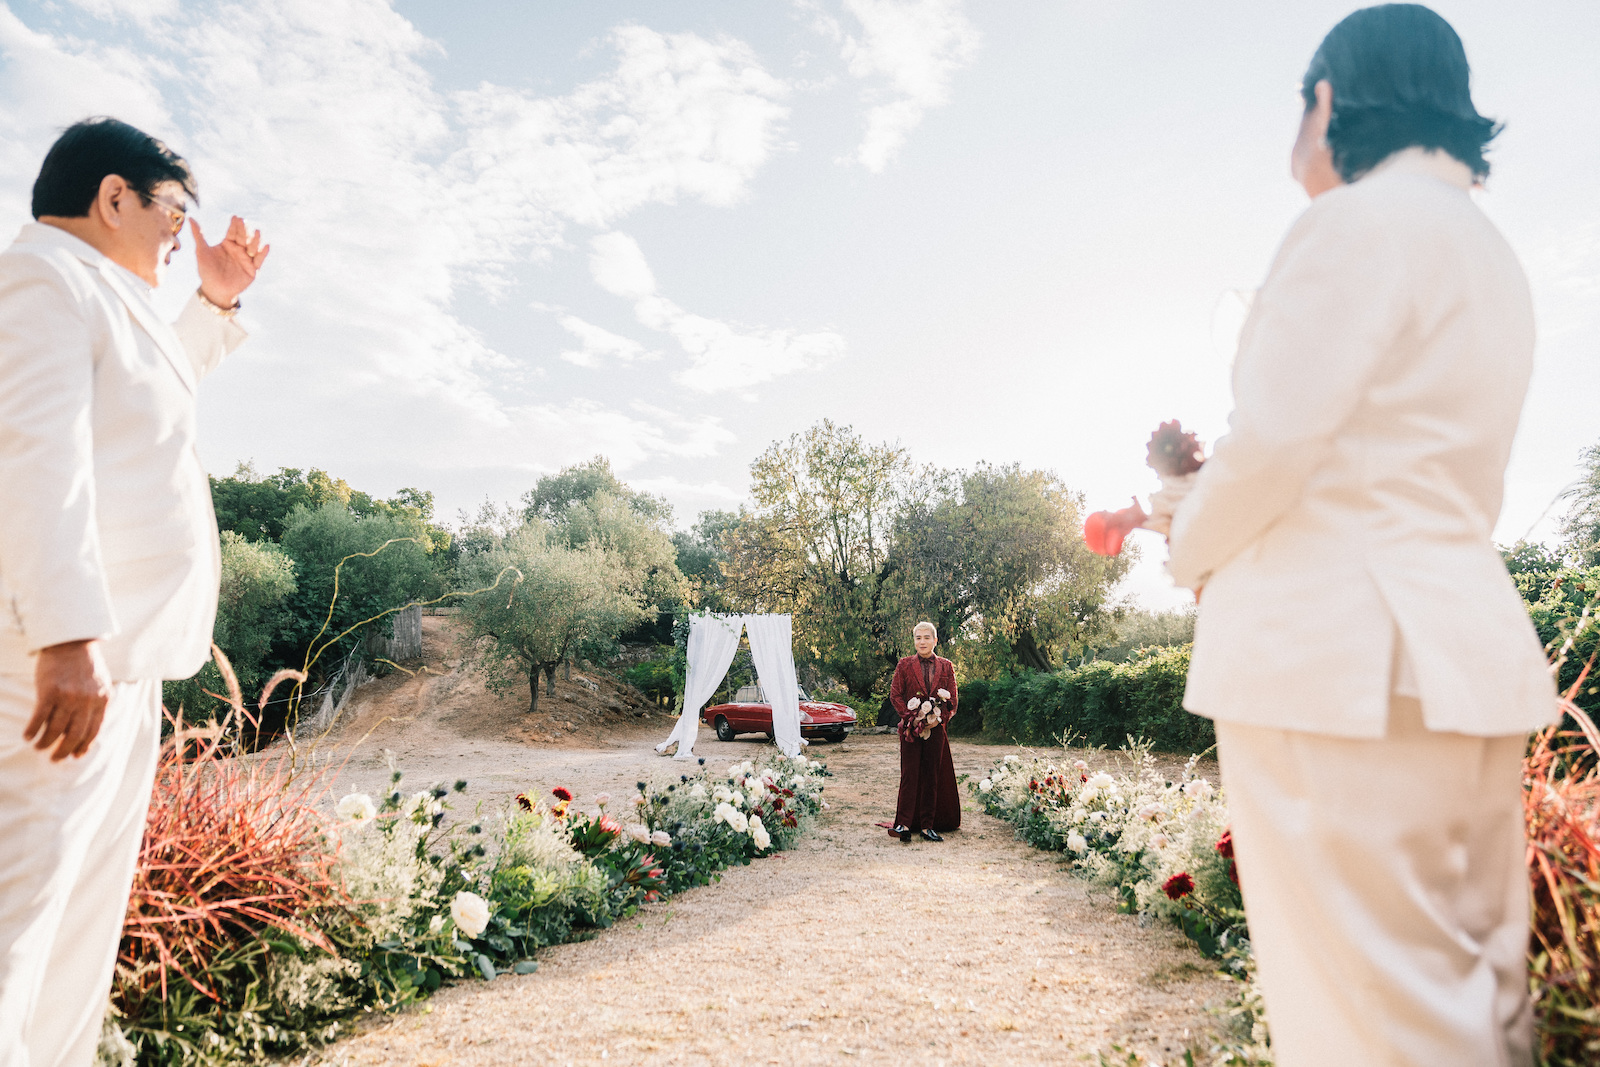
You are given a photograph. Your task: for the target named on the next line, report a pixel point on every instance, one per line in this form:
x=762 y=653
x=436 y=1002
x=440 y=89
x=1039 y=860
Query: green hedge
x=1099 y=703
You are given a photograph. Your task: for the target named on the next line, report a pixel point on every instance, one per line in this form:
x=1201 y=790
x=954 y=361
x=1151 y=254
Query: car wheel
x=724 y=729
x=836 y=736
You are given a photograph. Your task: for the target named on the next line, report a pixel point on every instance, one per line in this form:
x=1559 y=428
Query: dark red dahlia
x=1172 y=452
x=1178 y=886
x=561 y=792
x=1225 y=843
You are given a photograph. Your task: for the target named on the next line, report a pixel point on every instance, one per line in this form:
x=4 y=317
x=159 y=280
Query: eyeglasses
x=176 y=212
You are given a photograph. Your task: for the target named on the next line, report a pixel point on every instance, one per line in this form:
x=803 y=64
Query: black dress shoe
x=902 y=832
x=931 y=835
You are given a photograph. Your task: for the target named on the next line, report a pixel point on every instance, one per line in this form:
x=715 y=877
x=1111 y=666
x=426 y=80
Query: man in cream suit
x=108 y=555
x=1371 y=669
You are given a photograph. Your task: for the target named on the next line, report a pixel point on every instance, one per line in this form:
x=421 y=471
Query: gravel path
x=853 y=948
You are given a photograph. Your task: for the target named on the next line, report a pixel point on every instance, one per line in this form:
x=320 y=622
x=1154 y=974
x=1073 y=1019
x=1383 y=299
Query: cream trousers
x=69 y=840
x=1387 y=892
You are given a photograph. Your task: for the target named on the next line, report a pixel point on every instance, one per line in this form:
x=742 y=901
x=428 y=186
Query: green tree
x=701 y=554
x=1141 y=629
x=252 y=614
x=568 y=600
x=1004 y=564
x=1581 y=526
x=319 y=538
x=817 y=544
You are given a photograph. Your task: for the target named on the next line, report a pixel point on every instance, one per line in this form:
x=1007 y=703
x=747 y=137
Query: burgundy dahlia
x=1225 y=843
x=1172 y=452
x=1178 y=886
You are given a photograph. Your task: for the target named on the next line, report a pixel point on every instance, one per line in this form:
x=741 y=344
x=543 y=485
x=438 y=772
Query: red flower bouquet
x=1175 y=456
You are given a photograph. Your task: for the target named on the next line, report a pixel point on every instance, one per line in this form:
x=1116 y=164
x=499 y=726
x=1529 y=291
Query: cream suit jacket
x=1342 y=528
x=106 y=527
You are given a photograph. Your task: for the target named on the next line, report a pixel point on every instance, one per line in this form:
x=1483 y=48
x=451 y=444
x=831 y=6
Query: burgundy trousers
x=929 y=799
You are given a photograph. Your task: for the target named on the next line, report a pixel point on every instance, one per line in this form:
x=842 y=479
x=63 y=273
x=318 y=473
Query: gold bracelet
x=226 y=313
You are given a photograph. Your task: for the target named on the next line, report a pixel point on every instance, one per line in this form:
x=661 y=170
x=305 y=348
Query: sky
x=508 y=237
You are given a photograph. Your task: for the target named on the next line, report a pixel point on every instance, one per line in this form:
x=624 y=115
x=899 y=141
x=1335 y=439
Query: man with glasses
x=108 y=555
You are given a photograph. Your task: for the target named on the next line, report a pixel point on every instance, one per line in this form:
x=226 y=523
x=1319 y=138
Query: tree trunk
x=533 y=690
x=566 y=669
x=550 y=677
x=1029 y=654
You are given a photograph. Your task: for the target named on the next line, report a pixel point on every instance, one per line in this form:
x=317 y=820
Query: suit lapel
x=159 y=332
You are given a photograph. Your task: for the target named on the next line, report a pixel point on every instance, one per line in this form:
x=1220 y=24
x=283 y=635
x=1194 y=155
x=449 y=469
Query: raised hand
x=228 y=267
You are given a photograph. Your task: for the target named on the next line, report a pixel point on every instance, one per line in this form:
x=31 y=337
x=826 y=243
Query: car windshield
x=752 y=694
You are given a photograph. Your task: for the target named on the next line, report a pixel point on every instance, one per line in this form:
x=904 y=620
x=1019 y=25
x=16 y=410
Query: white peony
x=357 y=807
x=471 y=913
x=758 y=834
x=985 y=785
x=1076 y=842
x=661 y=839
x=1199 y=789
x=944 y=694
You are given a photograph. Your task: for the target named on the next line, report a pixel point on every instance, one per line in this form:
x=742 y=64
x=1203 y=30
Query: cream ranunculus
x=471 y=913
x=357 y=807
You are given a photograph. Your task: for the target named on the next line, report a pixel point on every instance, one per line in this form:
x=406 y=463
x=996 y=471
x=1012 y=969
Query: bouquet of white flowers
x=927 y=713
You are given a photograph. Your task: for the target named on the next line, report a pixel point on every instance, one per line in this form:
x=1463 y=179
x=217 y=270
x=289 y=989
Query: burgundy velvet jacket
x=908 y=683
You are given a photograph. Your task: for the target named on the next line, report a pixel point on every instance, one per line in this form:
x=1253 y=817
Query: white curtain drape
x=713 y=640
x=772 y=650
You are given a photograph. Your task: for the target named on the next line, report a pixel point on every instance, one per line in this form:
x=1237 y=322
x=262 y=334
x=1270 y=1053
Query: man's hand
x=73 y=688
x=228 y=267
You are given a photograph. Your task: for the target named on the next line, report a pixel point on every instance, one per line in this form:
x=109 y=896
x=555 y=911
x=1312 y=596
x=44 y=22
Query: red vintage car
x=750 y=713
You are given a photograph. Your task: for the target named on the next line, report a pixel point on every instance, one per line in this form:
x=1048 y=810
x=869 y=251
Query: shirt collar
x=1432 y=162
x=42 y=233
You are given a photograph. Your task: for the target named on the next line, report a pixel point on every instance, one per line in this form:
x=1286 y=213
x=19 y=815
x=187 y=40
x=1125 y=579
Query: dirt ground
x=852 y=948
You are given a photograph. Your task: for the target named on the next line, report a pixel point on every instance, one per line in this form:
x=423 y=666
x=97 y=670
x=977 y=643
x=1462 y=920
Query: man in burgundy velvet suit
x=924 y=695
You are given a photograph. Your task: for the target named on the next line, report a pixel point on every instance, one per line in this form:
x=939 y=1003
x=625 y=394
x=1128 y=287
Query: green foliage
x=655 y=677
x=568 y=601
x=1581 y=525
x=319 y=538
x=701 y=553
x=258 y=508
x=1000 y=563
x=1139 y=630
x=1564 y=603
x=1103 y=703
x=252 y=614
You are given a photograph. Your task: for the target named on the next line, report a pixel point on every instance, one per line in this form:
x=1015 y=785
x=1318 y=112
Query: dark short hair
x=1400 y=78
x=87 y=151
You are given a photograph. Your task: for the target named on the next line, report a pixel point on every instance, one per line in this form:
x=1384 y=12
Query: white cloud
x=599 y=342
x=382 y=197
x=915 y=46
x=721 y=357
x=137 y=10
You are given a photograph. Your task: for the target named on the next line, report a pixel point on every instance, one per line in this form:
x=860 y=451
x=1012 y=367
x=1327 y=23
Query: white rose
x=1077 y=815
x=1199 y=789
x=723 y=813
x=759 y=835
x=944 y=694
x=1097 y=816
x=1103 y=782
x=357 y=807
x=603 y=799
x=661 y=839
x=698 y=791
x=913 y=704
x=737 y=822
x=471 y=913
x=723 y=795
x=1088 y=795
x=985 y=785
x=1076 y=842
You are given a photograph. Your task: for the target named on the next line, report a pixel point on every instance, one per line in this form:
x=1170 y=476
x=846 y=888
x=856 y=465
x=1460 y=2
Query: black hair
x=1400 y=78
x=87 y=151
